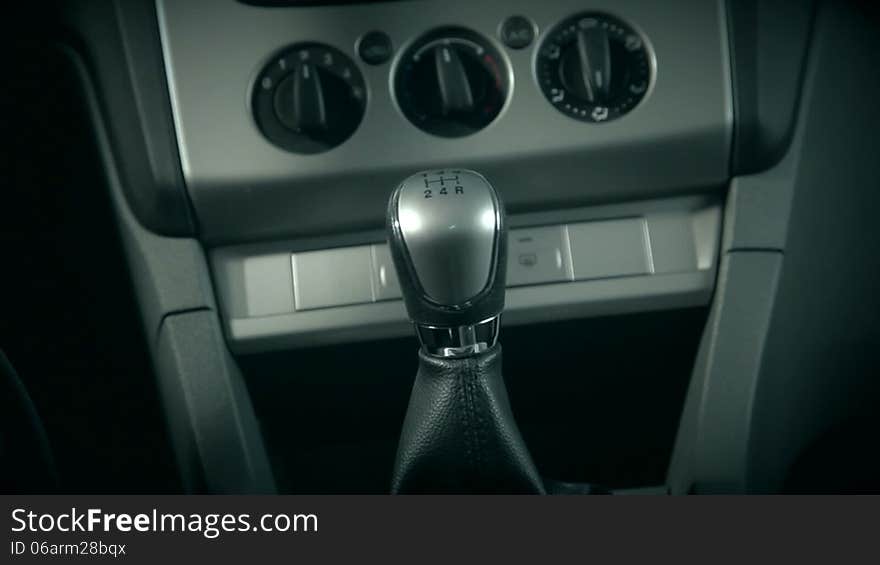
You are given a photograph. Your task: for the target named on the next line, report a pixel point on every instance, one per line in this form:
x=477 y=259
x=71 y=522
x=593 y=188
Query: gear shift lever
x=448 y=241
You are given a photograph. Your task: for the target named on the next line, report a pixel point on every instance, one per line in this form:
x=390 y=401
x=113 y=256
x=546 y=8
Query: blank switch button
x=385 y=283
x=610 y=248
x=267 y=285
x=538 y=255
x=333 y=277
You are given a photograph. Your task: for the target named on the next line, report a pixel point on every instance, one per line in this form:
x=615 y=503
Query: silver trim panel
x=682 y=235
x=244 y=188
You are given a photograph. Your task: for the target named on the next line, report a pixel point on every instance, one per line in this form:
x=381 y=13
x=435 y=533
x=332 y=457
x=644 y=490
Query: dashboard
x=675 y=139
x=295 y=127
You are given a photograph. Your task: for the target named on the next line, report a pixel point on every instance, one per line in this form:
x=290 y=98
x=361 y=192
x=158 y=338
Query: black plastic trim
x=769 y=40
x=119 y=43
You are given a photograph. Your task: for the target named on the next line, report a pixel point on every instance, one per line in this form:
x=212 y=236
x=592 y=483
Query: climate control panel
x=300 y=120
x=452 y=81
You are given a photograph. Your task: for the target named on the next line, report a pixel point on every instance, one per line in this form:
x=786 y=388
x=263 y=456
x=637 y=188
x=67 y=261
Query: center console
x=606 y=130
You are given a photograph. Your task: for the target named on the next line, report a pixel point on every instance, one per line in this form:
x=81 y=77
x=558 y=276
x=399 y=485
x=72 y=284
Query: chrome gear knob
x=447 y=236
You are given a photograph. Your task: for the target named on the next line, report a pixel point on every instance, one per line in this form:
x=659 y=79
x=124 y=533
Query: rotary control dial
x=451 y=82
x=593 y=67
x=310 y=98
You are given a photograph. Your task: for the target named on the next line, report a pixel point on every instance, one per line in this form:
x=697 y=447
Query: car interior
x=367 y=247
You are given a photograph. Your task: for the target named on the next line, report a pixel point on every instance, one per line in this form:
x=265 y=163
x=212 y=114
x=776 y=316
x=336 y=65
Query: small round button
x=374 y=47
x=517 y=32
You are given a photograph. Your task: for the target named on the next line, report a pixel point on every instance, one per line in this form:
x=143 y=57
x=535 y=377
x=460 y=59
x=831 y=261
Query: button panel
x=333 y=277
x=538 y=255
x=517 y=32
x=375 y=47
x=626 y=258
x=385 y=283
x=610 y=248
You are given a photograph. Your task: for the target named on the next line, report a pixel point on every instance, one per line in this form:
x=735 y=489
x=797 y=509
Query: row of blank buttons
x=588 y=250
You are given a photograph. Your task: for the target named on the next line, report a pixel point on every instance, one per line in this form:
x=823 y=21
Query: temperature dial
x=310 y=98
x=451 y=82
x=593 y=67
